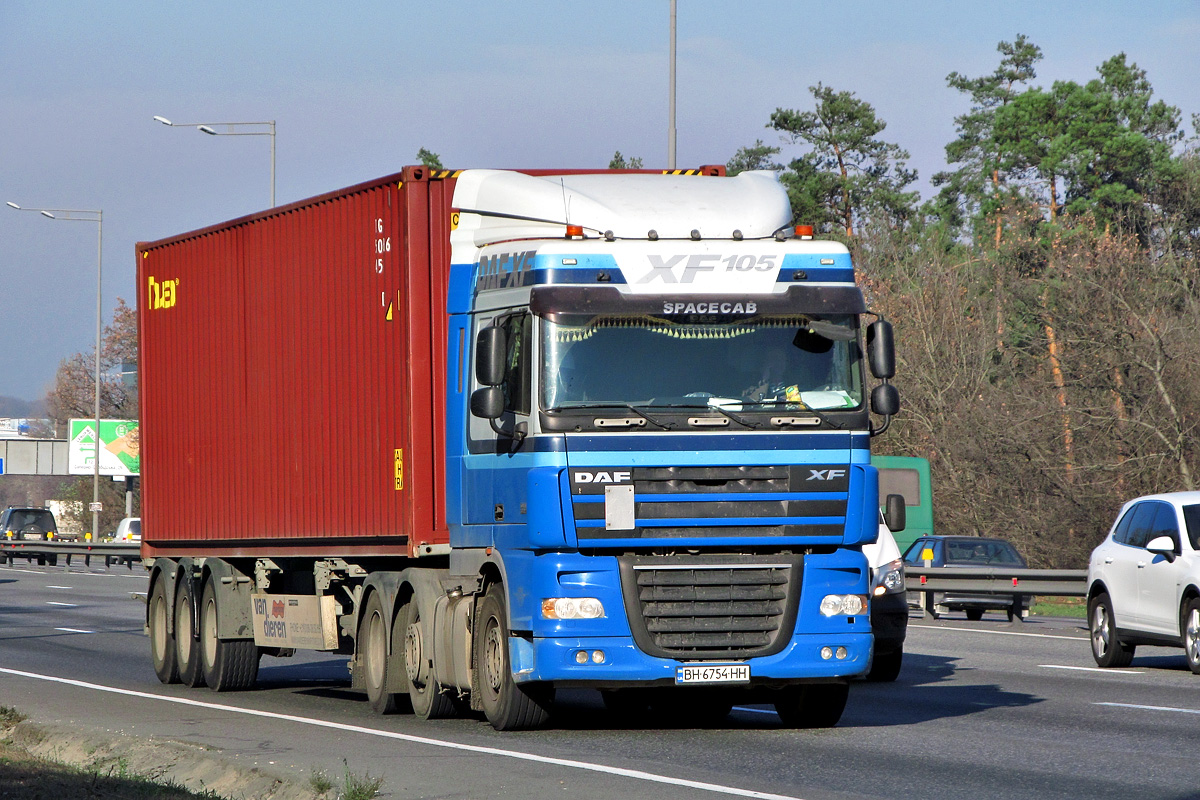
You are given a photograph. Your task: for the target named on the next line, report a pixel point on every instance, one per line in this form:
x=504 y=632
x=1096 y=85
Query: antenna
x=566 y=202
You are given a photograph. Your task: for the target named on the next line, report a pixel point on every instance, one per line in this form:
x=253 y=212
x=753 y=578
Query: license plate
x=713 y=673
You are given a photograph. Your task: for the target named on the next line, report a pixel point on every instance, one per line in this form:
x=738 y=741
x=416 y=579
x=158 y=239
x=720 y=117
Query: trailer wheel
x=428 y=701
x=162 y=643
x=228 y=664
x=507 y=705
x=187 y=650
x=812 y=705
x=373 y=656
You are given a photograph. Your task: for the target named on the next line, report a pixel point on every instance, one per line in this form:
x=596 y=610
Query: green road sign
x=119 y=453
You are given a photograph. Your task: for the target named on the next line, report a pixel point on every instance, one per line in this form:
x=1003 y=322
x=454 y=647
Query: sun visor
x=555 y=302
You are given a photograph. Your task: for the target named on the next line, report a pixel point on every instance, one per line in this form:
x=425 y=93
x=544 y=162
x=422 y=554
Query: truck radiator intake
x=734 y=607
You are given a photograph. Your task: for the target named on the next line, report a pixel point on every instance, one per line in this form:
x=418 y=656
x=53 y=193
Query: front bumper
x=624 y=665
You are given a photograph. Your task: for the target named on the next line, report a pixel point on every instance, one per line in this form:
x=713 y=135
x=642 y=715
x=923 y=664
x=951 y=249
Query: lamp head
x=163 y=120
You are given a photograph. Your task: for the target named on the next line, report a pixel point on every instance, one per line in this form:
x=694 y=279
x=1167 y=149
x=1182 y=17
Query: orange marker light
x=804 y=231
x=574 y=230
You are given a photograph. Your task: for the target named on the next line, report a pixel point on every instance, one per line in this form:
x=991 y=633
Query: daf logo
x=615 y=476
x=825 y=474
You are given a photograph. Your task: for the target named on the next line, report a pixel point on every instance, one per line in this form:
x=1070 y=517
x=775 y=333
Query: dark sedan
x=967 y=551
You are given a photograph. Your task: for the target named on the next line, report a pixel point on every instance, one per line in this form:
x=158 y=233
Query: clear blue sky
x=357 y=88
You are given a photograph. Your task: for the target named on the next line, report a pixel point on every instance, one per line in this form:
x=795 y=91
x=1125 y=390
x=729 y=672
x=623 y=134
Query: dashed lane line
x=633 y=774
x=1000 y=633
x=1093 y=669
x=1151 y=708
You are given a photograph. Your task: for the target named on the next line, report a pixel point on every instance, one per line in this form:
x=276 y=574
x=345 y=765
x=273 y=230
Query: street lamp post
x=83 y=215
x=671 y=100
x=211 y=129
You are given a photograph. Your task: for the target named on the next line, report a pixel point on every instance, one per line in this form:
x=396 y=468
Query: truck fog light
x=572 y=608
x=840 y=654
x=598 y=656
x=581 y=656
x=826 y=653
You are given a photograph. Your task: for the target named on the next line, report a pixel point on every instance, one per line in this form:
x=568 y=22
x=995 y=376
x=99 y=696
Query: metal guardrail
x=993 y=580
x=49 y=552
x=990 y=580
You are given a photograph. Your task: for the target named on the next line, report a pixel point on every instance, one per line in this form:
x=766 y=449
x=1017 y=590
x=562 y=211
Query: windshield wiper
x=729 y=414
x=626 y=406
x=803 y=407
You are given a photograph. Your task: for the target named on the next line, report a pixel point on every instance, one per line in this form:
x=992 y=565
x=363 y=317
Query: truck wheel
x=162 y=643
x=1107 y=649
x=187 y=651
x=886 y=666
x=229 y=665
x=373 y=656
x=506 y=705
x=976 y=614
x=428 y=701
x=812 y=705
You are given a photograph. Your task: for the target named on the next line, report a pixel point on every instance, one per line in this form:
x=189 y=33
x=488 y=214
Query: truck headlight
x=843 y=605
x=889 y=579
x=572 y=608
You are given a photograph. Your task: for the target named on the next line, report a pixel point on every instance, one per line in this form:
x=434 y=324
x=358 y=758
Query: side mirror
x=487 y=402
x=896 y=514
x=881 y=350
x=885 y=400
x=1162 y=546
x=491 y=348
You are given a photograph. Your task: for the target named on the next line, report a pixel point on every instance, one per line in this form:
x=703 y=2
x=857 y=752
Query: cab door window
x=516 y=386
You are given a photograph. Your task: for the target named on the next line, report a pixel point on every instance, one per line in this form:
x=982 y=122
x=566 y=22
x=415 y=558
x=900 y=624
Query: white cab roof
x=519 y=206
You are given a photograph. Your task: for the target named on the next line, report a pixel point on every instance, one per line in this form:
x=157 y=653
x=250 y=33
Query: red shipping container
x=292 y=377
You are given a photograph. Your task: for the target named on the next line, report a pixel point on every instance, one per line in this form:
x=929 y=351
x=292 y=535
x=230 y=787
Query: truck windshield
x=756 y=363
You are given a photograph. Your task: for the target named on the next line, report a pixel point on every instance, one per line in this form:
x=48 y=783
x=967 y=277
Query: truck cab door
x=495 y=485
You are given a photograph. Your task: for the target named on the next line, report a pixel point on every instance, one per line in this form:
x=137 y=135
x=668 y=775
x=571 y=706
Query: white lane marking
x=1080 y=638
x=471 y=748
x=73 y=630
x=56 y=603
x=60 y=587
x=1151 y=708
x=1093 y=669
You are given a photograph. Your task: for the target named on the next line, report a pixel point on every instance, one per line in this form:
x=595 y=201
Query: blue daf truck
x=646 y=464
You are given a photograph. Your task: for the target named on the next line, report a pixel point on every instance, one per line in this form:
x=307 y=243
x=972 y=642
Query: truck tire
x=187 y=649
x=373 y=656
x=1107 y=649
x=812 y=705
x=886 y=666
x=428 y=701
x=507 y=705
x=229 y=665
x=162 y=643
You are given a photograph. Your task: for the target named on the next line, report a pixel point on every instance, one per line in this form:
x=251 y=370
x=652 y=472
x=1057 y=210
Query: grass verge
x=1047 y=606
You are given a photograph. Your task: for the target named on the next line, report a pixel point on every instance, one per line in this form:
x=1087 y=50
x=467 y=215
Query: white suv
x=1144 y=580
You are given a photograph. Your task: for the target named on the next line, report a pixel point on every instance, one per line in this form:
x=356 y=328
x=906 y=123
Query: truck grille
x=723 y=607
x=672 y=503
